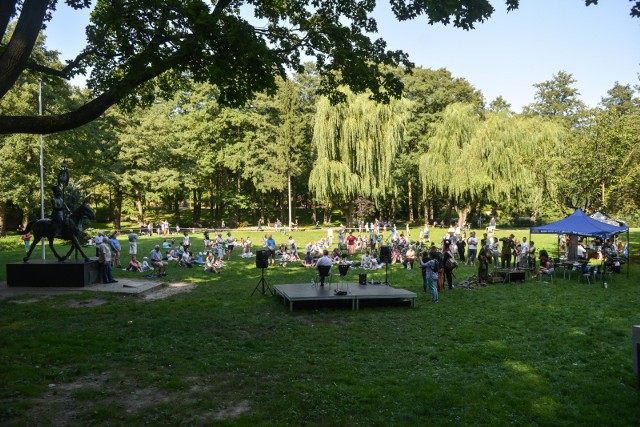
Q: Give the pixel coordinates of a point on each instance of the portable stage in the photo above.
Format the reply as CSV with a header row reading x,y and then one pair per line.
x,y
352,292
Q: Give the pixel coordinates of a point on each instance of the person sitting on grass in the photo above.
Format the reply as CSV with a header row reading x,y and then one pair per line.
x,y
173,255
308,261
336,255
165,244
284,256
293,257
396,255
365,262
134,265
185,260
209,263
145,264
198,260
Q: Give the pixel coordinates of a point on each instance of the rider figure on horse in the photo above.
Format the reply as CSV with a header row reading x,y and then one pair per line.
x,y
60,211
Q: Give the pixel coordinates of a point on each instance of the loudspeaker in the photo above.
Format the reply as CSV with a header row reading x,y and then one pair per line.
x,y
362,279
385,254
262,259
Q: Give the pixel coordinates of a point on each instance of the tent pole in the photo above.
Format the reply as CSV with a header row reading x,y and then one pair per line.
x,y
628,252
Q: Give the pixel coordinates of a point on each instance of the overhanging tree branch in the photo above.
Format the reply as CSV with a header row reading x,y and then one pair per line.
x,y
14,58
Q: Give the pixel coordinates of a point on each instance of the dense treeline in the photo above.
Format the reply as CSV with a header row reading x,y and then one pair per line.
x,y
437,153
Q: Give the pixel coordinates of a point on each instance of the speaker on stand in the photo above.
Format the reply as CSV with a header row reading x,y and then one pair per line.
x,y
385,256
262,262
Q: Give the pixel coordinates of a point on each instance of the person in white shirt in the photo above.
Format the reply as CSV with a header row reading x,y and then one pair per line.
x,y
472,249
581,251
524,253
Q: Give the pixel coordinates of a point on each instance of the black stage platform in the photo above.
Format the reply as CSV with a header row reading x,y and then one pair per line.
x,y
52,273
355,293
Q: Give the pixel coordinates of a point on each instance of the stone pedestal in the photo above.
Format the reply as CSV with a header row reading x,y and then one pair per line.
x,y
52,273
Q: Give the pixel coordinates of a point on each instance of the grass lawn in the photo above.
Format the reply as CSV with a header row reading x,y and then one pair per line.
x,y
516,354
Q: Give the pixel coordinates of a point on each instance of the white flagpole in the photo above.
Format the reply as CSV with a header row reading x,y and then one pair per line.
x,y
41,167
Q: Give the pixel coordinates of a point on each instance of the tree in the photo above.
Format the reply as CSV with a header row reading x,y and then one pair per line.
x,y
470,157
141,48
357,142
499,104
430,91
556,98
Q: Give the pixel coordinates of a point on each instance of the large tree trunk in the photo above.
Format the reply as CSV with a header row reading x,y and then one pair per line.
x,y
3,218
293,199
447,214
176,210
463,213
425,211
140,209
410,201
25,216
117,208
197,207
327,213
349,214
314,217
210,201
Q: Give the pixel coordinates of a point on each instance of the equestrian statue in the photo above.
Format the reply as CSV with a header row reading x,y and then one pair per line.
x,y
61,225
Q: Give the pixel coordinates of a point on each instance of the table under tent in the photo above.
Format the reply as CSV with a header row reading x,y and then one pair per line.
x,y
580,224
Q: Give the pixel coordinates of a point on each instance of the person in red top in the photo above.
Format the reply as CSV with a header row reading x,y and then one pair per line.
x,y
351,243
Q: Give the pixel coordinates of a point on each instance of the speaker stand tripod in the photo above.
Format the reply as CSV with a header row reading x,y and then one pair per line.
x,y
386,274
265,285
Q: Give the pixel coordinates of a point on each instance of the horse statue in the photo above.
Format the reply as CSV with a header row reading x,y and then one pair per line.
x,y
46,227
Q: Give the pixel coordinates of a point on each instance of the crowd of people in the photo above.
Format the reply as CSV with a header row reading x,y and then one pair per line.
x,y
360,247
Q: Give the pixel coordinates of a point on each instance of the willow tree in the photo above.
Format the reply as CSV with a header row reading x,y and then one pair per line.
x,y
472,158
356,142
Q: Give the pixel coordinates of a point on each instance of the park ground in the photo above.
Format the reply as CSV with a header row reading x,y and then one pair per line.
x,y
532,353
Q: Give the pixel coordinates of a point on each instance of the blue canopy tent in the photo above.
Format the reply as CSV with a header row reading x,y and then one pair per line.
x,y
580,224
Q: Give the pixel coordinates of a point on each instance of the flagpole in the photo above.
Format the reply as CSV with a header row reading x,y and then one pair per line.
x,y
41,167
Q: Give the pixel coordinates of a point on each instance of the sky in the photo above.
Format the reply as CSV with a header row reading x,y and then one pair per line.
x,y
504,56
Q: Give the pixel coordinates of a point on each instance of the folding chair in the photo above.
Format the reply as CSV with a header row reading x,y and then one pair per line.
x,y
589,272
324,271
343,269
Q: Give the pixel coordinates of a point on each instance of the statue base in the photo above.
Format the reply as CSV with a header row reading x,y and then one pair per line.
x,y
53,273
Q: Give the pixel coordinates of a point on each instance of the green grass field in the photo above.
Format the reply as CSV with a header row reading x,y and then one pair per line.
x,y
508,354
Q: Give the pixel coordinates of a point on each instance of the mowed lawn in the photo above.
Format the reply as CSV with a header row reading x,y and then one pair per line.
x,y
508,354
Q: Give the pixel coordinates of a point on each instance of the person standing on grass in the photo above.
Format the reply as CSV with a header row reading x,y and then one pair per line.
x,y
351,243
133,243
507,247
271,246
26,238
484,259
495,250
461,246
105,262
186,242
472,250
524,253
115,250
98,241
449,265
430,267
231,243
